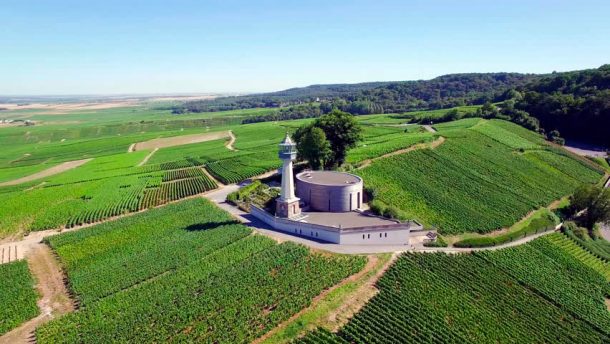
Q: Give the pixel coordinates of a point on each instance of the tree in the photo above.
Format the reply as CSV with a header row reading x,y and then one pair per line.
x,y
555,136
594,201
342,131
312,145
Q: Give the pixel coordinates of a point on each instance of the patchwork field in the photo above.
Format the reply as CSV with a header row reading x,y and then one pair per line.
x,y
486,175
497,170
537,292
182,273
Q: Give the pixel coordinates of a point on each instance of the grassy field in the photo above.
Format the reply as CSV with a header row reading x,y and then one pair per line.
x,y
487,175
537,292
17,295
182,273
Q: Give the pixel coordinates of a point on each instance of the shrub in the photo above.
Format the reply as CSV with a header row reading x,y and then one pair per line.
x,y
377,207
392,212
439,242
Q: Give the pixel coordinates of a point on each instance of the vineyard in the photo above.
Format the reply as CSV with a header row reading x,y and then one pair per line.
x,y
163,276
522,295
17,295
235,170
495,183
379,145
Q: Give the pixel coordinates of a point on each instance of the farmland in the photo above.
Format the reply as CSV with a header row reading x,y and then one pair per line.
x,y
523,294
164,275
497,170
17,295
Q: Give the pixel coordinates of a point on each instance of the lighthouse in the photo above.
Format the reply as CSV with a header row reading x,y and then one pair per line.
x,y
287,205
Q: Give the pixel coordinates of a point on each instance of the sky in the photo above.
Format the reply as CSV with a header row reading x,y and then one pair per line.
x,y
54,47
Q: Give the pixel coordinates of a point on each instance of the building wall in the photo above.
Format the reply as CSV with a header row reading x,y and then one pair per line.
x,y
374,236
330,198
296,228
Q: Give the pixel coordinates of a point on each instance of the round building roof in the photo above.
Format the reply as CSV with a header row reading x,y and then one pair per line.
x,y
329,178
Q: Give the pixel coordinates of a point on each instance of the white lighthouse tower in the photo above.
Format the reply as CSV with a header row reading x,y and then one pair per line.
x,y
287,204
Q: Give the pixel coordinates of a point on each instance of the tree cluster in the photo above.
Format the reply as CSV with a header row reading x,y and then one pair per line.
x,y
594,202
325,142
577,104
378,97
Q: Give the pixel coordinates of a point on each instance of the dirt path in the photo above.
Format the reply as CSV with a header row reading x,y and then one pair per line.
x,y
131,148
48,172
180,140
430,145
54,297
429,128
372,261
231,141
341,315
147,157
421,248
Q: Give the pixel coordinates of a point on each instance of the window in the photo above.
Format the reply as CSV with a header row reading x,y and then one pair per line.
x,y
300,231
362,236
311,233
386,235
368,236
380,235
316,234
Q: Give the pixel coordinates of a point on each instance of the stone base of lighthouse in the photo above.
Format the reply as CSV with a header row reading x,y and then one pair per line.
x,y
287,208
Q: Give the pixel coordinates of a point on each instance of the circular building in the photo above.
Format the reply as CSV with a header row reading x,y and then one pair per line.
x,y
329,191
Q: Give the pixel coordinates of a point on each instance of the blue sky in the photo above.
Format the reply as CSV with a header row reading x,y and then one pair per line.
x,y
112,47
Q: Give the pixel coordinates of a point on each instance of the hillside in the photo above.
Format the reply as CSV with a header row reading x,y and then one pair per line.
x,y
575,103
380,97
535,293
497,170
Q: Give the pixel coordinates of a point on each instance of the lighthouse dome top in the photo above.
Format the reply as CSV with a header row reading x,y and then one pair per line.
x,y
287,140
288,150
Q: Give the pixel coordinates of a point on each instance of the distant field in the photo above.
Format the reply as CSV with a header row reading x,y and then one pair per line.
x,y
17,295
487,175
186,272
537,292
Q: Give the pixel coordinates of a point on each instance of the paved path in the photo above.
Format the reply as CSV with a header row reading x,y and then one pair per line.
x,y
48,172
219,196
585,150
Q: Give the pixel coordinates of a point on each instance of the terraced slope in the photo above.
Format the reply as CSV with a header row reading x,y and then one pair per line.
x,y
486,175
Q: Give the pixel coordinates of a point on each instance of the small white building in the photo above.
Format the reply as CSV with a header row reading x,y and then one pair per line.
x,y
328,208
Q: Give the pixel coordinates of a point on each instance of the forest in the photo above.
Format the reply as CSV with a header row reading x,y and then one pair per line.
x,y
379,97
576,104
